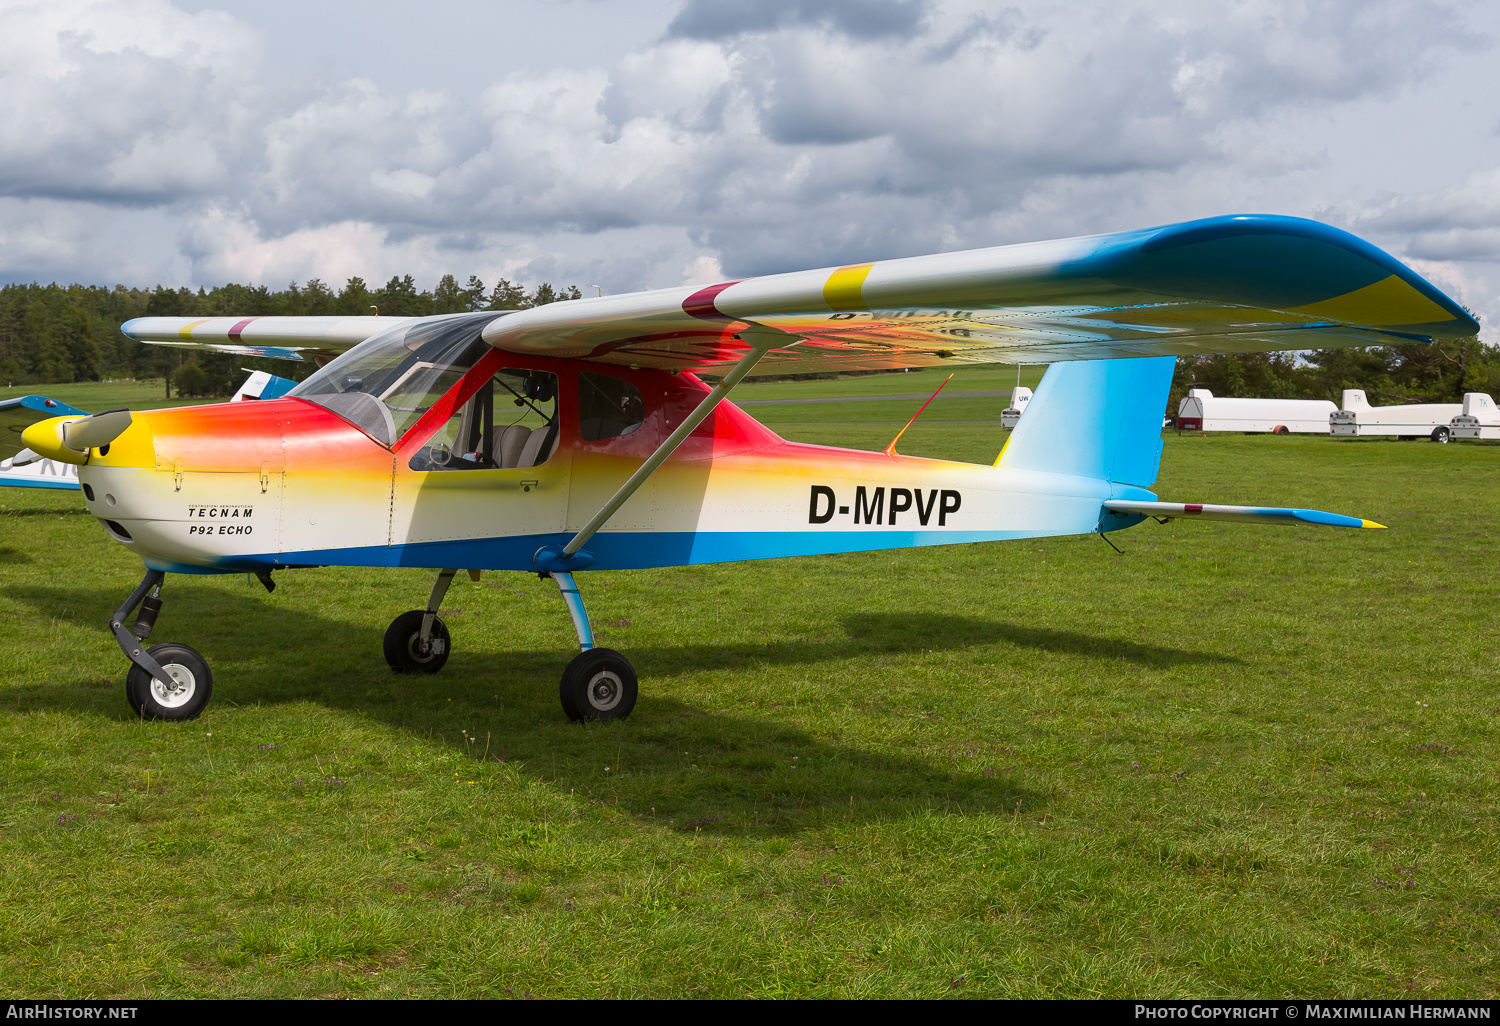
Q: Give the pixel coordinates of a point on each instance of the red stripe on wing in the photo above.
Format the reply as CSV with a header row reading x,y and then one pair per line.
x,y
701,303
234,332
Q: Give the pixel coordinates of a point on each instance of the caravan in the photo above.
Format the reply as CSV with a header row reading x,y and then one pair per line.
x,y
1203,411
1359,419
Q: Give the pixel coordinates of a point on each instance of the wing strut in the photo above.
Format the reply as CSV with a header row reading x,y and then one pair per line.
x,y
762,340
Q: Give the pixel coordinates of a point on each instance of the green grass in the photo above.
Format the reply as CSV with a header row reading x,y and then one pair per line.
x,y
966,378
93,396
1232,761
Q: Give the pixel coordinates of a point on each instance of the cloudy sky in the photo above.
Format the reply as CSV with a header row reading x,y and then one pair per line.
x,y
646,143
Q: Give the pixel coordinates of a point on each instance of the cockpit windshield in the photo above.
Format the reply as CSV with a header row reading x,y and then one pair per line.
x,y
384,384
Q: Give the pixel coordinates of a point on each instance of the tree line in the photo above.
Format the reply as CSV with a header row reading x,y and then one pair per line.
x,y
63,333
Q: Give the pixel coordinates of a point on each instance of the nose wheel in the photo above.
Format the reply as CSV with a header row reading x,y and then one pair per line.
x,y
180,692
166,681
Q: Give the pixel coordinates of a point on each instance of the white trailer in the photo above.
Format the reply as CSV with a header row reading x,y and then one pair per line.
x,y
1480,418
1204,411
1011,415
1359,418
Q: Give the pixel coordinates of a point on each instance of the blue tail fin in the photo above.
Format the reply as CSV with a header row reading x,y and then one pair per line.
x,y
1095,418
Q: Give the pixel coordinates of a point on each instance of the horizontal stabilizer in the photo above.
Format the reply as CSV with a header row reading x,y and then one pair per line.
x,y
1237,514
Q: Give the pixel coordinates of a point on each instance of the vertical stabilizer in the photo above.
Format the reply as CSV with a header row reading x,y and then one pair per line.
x,y
1095,418
1354,399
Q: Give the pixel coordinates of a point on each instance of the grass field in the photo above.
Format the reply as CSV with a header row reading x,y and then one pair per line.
x,y
1231,761
149,394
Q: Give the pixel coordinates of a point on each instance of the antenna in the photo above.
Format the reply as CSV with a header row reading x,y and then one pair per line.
x,y
600,290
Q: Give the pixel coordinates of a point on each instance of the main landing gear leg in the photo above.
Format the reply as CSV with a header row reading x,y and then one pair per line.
x,y
166,681
417,641
599,684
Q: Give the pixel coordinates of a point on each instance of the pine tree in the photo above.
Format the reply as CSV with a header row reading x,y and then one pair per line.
x,y
546,294
448,297
401,298
507,295
474,294
356,299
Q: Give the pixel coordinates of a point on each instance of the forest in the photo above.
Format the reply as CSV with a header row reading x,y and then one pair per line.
x,y
64,333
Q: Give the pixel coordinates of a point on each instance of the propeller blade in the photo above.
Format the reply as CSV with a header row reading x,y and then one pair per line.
x,y
95,430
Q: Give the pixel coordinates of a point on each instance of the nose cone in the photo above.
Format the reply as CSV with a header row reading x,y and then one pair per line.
x,y
45,438
73,439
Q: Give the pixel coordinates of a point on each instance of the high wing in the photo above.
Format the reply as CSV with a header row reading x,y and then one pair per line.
x,y
1248,283
317,339
1228,284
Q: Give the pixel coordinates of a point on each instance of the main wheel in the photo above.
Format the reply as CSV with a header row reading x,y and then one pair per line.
x,y
180,698
1281,429
403,644
598,685
1440,434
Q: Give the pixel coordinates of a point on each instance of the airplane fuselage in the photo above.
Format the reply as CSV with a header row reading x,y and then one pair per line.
x,y
260,486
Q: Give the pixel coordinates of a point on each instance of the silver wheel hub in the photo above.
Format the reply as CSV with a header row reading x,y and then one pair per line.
x,y
605,690
425,652
178,691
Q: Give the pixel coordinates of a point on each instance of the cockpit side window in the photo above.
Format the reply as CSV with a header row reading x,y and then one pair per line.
x,y
510,423
608,407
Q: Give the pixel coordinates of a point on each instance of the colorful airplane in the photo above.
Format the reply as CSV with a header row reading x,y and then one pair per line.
x,y
577,436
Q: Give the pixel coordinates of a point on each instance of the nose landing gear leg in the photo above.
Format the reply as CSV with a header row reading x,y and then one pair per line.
x,y
166,681
599,684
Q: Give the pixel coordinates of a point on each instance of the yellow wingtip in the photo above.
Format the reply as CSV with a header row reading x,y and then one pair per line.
x,y
1372,525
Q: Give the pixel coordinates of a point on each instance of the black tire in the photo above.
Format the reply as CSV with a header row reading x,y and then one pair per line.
x,y
1281,429
565,696
189,691
598,685
403,644
1440,434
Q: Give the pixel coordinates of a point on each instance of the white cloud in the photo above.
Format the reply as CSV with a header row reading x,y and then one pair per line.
x,y
135,137
124,101
702,270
